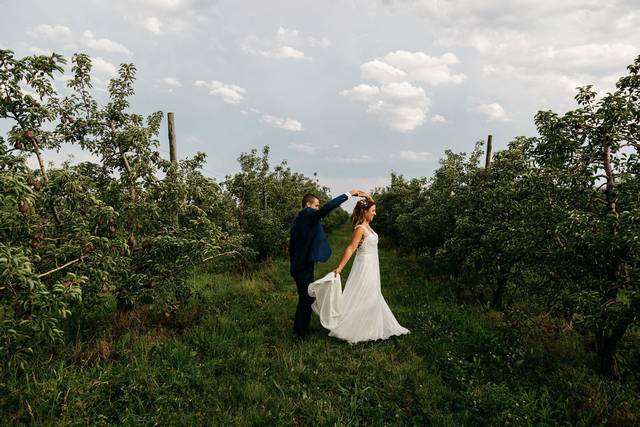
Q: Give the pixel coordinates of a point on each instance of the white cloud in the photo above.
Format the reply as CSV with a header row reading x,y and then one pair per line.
x,y
104,45
171,81
354,160
382,72
165,4
628,21
414,156
38,51
288,36
419,66
103,67
231,94
288,44
48,32
548,83
302,148
255,46
402,65
286,124
153,25
361,92
439,119
488,41
250,45
494,111
400,106
591,55
321,42
398,103
501,70
286,52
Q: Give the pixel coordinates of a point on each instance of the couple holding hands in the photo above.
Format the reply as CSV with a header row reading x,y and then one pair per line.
x,y
359,313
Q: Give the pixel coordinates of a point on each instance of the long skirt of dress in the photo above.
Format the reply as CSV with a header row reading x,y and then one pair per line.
x,y
364,314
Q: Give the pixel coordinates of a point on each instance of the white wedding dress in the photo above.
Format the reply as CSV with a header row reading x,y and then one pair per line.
x,y
360,313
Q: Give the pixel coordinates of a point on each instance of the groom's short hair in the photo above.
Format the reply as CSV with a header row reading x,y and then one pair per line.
x,y
308,198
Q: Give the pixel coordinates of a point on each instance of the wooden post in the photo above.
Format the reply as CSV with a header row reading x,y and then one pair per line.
x,y
487,161
172,138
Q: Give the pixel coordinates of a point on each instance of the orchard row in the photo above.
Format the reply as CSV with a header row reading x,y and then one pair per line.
x,y
552,221
130,227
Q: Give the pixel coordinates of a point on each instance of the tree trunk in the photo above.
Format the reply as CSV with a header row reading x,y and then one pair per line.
x,y
499,293
606,348
43,171
36,149
122,303
611,201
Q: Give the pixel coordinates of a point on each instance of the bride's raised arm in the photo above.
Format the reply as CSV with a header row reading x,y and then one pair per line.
x,y
350,249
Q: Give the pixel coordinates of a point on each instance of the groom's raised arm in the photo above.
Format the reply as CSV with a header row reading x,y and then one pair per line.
x,y
331,205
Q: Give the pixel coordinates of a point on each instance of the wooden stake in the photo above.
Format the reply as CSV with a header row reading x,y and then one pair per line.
x,y
172,138
487,161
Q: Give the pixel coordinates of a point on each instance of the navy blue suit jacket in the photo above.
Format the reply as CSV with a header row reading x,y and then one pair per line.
x,y
307,241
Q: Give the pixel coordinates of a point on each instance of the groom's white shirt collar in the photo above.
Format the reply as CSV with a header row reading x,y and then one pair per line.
x,y
348,195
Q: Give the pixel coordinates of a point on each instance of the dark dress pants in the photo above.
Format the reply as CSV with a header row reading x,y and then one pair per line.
x,y
303,311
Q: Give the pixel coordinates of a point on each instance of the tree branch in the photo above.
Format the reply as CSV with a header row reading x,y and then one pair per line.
x,y
61,267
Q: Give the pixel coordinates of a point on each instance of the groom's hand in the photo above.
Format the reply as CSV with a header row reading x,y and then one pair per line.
x,y
361,193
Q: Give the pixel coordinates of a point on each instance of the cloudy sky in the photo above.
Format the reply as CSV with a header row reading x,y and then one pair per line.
x,y
350,89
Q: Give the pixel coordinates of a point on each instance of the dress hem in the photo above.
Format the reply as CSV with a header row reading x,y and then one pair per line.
x,y
397,334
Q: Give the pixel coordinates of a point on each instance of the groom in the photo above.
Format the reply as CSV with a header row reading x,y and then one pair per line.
x,y
308,244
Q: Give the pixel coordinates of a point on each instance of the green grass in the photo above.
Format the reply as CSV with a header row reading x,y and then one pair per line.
x,y
229,358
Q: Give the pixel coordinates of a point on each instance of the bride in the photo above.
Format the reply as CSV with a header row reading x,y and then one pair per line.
x,y
360,313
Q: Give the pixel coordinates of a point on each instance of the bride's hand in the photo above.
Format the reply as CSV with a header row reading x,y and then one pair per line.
x,y
336,272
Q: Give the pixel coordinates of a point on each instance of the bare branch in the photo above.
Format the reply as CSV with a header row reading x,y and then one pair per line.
x,y
61,267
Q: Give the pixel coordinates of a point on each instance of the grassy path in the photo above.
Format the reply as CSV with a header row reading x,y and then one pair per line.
x,y
230,359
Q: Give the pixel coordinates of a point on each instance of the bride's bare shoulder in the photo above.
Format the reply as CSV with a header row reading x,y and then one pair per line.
x,y
362,227
359,228
358,235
